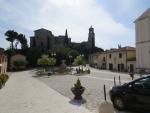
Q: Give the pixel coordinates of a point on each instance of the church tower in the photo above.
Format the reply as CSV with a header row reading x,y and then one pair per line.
x,y
91,38
66,34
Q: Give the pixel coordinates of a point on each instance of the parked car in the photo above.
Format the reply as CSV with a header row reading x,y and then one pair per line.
x,y
135,94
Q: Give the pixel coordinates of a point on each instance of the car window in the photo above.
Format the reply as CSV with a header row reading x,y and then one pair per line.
x,y
147,84
143,83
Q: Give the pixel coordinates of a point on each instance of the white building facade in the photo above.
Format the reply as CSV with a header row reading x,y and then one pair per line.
x,y
142,25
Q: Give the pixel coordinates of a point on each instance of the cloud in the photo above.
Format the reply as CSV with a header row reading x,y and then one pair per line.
x,y
75,15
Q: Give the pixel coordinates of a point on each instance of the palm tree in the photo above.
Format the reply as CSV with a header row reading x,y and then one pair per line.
x,y
11,36
22,39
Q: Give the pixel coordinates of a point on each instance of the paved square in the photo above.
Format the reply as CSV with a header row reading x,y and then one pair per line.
x,y
93,83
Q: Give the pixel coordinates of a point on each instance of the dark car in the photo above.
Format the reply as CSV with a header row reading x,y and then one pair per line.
x,y
135,94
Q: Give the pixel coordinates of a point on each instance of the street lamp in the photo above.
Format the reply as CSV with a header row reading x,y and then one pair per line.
x,y
53,54
70,57
82,55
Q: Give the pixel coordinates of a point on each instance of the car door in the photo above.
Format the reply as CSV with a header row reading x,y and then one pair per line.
x,y
141,92
146,93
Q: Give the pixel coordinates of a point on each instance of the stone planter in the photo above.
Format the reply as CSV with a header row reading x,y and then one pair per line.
x,y
77,92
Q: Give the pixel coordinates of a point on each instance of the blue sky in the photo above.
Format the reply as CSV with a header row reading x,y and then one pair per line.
x,y
113,20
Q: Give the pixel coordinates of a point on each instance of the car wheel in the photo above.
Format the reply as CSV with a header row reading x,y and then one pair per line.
x,y
118,103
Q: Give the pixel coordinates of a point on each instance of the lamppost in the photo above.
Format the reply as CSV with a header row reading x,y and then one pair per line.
x,y
70,57
82,55
53,54
82,58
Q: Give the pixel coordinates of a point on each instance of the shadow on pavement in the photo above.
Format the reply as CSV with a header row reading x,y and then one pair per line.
x,y
77,102
37,76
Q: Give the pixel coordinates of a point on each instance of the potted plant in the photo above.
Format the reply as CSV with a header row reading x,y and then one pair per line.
x,y
78,90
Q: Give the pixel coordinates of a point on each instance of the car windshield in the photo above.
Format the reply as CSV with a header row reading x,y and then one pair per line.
x,y
145,82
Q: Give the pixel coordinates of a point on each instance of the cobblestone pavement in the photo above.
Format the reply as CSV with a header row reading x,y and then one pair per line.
x,y
93,83
24,94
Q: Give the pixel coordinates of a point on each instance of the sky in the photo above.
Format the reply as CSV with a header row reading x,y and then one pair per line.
x,y
113,20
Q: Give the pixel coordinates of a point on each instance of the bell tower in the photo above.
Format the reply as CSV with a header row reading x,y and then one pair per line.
x,y
91,38
66,34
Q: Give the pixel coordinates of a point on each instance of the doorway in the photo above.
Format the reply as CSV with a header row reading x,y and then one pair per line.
x,y
110,66
131,67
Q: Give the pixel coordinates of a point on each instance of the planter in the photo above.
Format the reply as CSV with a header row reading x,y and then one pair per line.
x,y
77,92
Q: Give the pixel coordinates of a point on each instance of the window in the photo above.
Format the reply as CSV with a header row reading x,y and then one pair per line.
x,y
120,55
122,67
104,59
109,55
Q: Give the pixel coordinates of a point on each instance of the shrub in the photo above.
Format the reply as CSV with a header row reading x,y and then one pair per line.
x,y
3,79
78,89
20,64
1,84
78,85
46,61
6,77
79,60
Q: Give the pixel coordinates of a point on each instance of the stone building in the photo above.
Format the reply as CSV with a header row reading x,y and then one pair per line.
x,y
44,39
98,60
121,59
3,63
142,25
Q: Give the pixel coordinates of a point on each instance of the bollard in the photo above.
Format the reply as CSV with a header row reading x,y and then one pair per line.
x,y
114,81
105,93
119,80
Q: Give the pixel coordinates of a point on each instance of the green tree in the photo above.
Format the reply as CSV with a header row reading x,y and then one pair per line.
x,y
73,53
63,52
79,61
23,41
32,56
46,61
11,36
52,61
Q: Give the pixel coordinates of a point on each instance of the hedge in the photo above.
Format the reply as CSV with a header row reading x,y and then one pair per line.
x,y
3,80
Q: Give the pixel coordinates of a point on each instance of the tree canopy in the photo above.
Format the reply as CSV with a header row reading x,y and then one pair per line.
x,y
20,38
79,60
46,61
11,37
